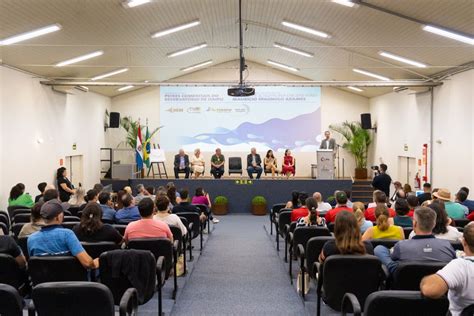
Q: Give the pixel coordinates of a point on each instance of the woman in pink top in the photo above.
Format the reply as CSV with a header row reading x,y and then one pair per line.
x,y
202,197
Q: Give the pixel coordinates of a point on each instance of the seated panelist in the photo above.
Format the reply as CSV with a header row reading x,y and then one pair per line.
x,y
217,164
254,164
181,164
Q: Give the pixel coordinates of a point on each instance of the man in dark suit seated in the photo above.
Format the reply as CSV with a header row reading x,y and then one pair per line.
x,y
186,207
181,164
254,163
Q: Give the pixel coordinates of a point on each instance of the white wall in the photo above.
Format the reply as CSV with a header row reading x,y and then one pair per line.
x,y
30,111
404,118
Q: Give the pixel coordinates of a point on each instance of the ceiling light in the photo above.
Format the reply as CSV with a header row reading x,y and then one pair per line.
x,y
135,3
197,65
32,34
347,3
402,59
108,74
293,50
274,63
80,58
125,88
176,29
449,34
187,50
305,29
355,89
370,74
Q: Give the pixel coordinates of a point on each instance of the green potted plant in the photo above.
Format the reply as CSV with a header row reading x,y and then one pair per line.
x,y
356,141
259,205
220,205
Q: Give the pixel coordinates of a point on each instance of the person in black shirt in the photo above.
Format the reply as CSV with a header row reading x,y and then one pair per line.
x,y
185,206
382,181
426,195
8,246
65,187
91,228
41,188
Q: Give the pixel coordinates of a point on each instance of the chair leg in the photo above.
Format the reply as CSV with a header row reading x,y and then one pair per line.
x,y
184,256
160,303
200,233
302,282
291,265
318,305
286,250
175,275
277,237
191,258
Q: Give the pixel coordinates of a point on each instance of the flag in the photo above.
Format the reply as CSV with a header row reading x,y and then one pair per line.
x,y
139,150
146,151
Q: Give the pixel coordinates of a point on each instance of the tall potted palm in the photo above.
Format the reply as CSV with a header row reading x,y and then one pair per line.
x,y
357,142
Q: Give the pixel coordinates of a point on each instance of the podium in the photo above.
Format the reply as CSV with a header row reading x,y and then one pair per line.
x,y
325,163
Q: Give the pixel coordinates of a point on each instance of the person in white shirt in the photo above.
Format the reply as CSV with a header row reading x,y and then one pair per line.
x,y
456,278
162,204
197,163
323,207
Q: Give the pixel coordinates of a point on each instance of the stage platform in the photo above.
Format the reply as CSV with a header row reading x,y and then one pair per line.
x,y
240,191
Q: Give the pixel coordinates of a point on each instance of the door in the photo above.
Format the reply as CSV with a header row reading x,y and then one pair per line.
x,y
74,164
406,170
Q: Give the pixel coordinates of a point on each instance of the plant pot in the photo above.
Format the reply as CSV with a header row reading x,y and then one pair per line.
x,y
361,173
259,210
220,209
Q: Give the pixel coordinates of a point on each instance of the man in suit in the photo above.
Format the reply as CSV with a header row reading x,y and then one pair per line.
x,y
181,164
254,163
328,142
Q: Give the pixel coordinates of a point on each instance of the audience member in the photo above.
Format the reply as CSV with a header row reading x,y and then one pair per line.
x,y
129,212
358,208
270,163
65,187
426,195
201,197
18,197
36,221
254,164
323,207
347,239
128,190
422,247
119,205
8,246
98,187
348,194
41,187
383,229
53,239
467,203
172,196
401,218
185,206
51,194
454,210
407,189
197,163
379,199
91,196
312,219
181,164
456,278
341,200
217,164
288,166
398,186
461,197
106,204
77,198
146,227
141,193
413,202
162,204
382,181
91,228
302,211
295,200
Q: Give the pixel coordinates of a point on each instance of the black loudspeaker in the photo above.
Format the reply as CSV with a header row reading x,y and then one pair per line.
x,y
114,120
366,121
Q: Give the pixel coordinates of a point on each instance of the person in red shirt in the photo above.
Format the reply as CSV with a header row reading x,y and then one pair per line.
x,y
297,213
341,200
412,201
379,198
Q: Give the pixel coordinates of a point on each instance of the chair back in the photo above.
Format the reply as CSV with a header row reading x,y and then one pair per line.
x,y
70,225
76,298
4,219
71,219
158,247
331,227
23,243
301,235
395,303
4,228
357,274
407,231
21,211
276,208
21,218
235,165
11,303
202,208
192,217
389,243
178,235
120,228
74,210
12,208
408,275
284,218
108,221
461,222
457,245
95,249
55,269
468,311
10,272
313,249
16,228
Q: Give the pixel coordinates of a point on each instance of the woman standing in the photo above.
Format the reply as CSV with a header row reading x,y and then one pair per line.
x,y
270,163
65,187
197,163
288,164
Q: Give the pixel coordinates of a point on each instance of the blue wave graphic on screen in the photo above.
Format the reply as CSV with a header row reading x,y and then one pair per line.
x,y
275,133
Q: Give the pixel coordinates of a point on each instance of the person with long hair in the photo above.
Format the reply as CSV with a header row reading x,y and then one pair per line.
x,y
313,219
18,197
118,205
91,228
270,163
78,198
65,187
347,239
288,167
359,208
383,229
171,194
295,200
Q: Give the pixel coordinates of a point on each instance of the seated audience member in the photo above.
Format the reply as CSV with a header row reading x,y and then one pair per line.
x,y
270,163
8,246
162,204
288,166
128,190
141,193
413,203
341,200
197,163
129,212
426,195
348,194
383,229
302,211
202,197
119,205
41,187
18,197
401,218
461,197
98,187
454,210
91,196
53,239
51,194
172,196
379,199
184,206
456,278
217,164
106,204
181,164
147,227
358,208
36,222
407,189
323,207
467,203
78,197
347,239
423,247
295,200
91,228
398,186
254,164
151,192
312,219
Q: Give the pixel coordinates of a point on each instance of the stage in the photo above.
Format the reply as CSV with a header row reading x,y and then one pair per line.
x,y
240,191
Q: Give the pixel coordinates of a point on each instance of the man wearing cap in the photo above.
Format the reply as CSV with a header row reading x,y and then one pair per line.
x,y
454,210
53,239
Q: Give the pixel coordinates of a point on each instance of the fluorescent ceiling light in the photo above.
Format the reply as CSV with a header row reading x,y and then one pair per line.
x,y
176,29
108,74
293,50
347,3
355,89
125,88
32,34
449,34
370,74
305,29
402,59
187,50
274,63
135,3
197,65
80,58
